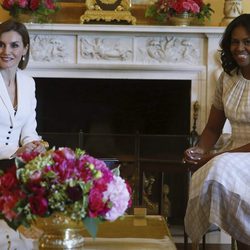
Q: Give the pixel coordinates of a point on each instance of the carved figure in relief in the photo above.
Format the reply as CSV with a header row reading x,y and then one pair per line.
x,y
49,49
105,49
166,204
172,49
148,183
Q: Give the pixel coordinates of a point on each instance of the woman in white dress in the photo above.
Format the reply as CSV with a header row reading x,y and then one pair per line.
x,y
220,189
17,109
17,93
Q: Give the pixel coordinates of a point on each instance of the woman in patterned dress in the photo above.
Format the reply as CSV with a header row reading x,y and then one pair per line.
x,y
220,189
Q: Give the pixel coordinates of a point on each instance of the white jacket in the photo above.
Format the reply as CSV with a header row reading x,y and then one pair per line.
x,y
19,129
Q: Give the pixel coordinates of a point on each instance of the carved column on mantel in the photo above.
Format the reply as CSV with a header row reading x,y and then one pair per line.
x,y
116,51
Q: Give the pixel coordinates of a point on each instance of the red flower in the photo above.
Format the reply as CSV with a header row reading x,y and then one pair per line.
x,y
96,205
34,4
62,155
38,205
199,2
49,4
35,188
9,181
28,156
8,203
8,4
181,6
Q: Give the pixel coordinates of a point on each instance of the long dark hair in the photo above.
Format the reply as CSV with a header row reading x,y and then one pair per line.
x,y
228,63
11,25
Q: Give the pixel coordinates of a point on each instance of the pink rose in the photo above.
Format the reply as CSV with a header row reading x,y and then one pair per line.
x,y
36,176
23,3
118,196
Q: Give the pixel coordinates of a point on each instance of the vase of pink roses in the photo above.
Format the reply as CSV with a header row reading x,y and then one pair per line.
x,y
179,12
62,192
31,10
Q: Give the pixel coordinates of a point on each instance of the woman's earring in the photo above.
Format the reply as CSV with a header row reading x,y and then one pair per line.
x,y
23,58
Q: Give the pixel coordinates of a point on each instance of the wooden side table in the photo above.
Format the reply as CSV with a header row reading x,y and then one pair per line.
x,y
132,232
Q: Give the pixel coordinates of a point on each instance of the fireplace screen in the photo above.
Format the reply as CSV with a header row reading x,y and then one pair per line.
x,y
142,123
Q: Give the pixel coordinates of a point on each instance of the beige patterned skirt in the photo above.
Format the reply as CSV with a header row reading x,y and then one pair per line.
x,y
220,194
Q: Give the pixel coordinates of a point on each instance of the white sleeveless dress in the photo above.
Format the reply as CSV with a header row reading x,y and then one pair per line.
x,y
220,190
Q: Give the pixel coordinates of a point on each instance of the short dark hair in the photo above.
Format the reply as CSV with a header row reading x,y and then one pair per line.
x,y
12,25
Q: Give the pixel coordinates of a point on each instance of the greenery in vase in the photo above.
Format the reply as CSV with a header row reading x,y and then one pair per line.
x,y
162,10
39,9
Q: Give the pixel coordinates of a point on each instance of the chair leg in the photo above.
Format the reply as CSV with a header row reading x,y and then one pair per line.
x,y
233,244
204,242
195,246
185,240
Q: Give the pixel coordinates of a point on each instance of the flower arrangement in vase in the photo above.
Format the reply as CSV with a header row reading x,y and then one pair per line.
x,y
64,181
164,10
38,10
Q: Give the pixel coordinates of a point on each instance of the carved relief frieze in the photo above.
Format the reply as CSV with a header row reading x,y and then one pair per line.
x,y
105,49
169,49
52,49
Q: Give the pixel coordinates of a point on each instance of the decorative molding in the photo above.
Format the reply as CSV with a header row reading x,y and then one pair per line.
x,y
105,49
170,49
50,49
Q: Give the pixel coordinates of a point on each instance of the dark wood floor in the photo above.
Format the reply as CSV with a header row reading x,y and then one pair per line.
x,y
208,246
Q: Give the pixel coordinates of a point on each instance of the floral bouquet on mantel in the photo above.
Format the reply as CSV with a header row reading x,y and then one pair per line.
x,y
39,10
62,180
162,10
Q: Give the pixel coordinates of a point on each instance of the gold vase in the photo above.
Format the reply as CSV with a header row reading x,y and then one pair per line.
x,y
182,19
31,18
60,232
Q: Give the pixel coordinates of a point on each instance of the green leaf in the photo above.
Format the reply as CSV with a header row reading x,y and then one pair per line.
x,y
151,11
19,162
91,224
116,171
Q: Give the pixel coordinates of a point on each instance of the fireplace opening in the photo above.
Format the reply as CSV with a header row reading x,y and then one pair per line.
x,y
113,105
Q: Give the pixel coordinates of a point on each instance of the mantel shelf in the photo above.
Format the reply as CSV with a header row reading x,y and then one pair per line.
x,y
71,28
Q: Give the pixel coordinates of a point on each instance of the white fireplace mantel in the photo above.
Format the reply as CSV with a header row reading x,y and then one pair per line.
x,y
131,52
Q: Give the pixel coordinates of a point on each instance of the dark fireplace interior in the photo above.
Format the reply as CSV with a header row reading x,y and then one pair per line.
x,y
113,106
135,121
